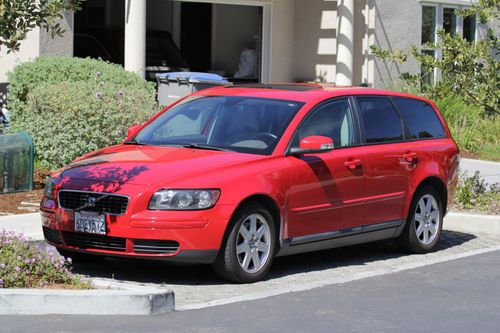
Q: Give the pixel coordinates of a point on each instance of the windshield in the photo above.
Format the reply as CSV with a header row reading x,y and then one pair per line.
x,y
242,124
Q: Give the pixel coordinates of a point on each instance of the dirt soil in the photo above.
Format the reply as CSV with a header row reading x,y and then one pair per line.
x,y
11,203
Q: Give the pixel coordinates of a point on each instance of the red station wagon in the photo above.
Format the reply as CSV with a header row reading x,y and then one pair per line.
x,y
234,176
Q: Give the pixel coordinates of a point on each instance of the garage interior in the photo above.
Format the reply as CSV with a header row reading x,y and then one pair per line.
x,y
180,36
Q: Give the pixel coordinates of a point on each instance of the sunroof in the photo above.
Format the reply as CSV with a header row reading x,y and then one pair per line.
x,y
289,87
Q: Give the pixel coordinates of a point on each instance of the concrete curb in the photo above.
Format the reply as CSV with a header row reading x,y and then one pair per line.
x,y
139,301
472,223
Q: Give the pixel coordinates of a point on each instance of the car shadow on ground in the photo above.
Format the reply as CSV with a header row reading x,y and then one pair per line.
x,y
164,273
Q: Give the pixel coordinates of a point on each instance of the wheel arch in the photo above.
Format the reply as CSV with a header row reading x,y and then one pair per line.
x,y
271,205
438,184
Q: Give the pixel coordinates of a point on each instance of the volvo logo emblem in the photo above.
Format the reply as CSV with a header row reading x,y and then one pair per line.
x,y
91,201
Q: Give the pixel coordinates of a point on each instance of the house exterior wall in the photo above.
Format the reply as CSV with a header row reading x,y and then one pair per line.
x,y
282,40
61,46
397,26
30,49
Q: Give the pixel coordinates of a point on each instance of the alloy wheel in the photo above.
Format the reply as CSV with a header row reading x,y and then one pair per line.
x,y
253,243
427,219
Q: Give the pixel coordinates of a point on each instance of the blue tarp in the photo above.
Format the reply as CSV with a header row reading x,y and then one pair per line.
x,y
192,77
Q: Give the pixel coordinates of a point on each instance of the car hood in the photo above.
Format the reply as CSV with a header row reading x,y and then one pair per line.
x,y
147,165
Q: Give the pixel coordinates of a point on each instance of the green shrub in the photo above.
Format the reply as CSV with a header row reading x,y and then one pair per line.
x,y
474,194
22,265
469,128
69,119
71,106
53,69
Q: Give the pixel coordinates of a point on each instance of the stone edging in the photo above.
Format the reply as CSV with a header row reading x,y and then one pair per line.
x,y
472,223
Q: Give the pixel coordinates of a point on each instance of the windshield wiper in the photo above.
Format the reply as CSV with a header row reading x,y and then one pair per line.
x,y
207,147
134,142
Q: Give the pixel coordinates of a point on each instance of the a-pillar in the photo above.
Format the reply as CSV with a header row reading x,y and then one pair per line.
x,y
135,36
345,44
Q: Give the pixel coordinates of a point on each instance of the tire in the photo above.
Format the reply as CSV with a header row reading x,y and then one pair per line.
x,y
248,249
79,257
424,224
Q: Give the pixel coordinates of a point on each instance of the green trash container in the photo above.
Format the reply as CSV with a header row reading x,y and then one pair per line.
x,y
16,162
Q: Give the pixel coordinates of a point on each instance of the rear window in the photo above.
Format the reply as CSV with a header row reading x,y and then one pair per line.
x,y
380,119
420,118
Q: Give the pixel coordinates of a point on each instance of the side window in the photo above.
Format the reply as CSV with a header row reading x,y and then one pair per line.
x,y
333,120
380,119
420,118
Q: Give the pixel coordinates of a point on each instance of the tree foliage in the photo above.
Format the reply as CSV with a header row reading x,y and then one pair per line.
x,y
469,69
18,17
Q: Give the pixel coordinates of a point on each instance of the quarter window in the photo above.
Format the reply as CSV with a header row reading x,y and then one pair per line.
x,y
420,118
381,121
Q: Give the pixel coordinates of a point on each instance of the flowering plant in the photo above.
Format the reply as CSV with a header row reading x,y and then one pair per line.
x,y
23,265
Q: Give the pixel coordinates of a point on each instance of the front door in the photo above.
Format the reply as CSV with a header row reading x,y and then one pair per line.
x,y
327,189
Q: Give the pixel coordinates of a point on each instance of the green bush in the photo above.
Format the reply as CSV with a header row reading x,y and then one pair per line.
x,y
72,106
69,119
474,194
53,69
470,130
22,265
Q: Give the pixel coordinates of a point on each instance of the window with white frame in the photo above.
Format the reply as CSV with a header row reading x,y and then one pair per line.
x,y
437,16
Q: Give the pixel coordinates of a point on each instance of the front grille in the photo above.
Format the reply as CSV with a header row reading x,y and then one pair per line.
x,y
152,246
93,202
52,236
89,241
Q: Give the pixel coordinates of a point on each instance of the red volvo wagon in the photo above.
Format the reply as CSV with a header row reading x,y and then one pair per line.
x,y
234,176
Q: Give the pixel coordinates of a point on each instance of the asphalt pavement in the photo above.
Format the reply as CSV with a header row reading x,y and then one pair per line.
x,y
490,171
461,295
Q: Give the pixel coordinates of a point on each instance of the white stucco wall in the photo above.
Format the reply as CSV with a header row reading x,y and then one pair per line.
x,y
397,26
30,49
283,40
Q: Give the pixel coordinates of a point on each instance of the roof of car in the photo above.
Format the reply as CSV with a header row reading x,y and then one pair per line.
x,y
301,92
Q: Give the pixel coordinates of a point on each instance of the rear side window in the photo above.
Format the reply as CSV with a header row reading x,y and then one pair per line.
x,y
420,118
380,119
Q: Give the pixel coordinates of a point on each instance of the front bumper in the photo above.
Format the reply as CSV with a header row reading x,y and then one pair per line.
x,y
178,236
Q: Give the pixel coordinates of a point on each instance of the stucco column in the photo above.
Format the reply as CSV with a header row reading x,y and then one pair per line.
x,y
345,37
135,36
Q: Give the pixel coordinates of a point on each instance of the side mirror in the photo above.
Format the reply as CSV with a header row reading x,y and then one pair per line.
x,y
133,130
314,144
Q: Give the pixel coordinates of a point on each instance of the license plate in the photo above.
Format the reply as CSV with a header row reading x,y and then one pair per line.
x,y
90,222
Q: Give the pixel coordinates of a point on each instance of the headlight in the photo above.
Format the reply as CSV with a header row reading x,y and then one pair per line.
x,y
184,199
49,188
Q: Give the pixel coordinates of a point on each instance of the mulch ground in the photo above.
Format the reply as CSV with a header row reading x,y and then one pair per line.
x,y
10,203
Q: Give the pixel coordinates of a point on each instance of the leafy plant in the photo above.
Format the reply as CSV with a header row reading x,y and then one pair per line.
x,y
468,69
474,194
72,106
18,17
22,265
470,130
70,119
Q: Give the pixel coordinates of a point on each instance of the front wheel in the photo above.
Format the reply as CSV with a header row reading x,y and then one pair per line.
x,y
247,252
424,223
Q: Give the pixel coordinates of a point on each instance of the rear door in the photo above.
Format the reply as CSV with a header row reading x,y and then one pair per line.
x,y
327,189
390,161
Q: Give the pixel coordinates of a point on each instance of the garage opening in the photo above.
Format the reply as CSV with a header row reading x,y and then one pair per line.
x,y
225,39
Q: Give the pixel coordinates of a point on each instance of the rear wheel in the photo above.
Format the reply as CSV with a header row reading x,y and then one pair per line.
x,y
247,252
425,222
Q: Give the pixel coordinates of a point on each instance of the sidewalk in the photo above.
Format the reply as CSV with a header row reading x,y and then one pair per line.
x,y
28,224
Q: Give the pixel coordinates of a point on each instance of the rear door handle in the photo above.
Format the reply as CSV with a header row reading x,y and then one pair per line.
x,y
352,164
410,157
